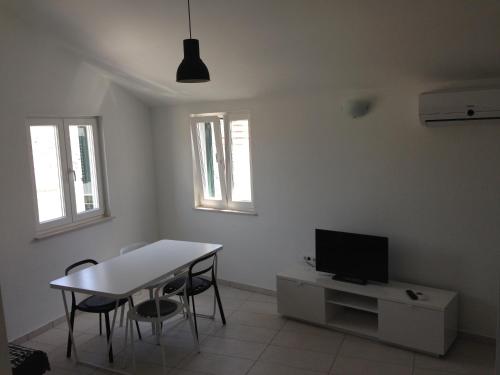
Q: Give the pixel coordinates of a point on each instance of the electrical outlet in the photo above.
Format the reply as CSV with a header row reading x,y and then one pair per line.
x,y
311,261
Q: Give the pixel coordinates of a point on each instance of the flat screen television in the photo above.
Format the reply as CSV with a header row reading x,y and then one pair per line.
x,y
352,257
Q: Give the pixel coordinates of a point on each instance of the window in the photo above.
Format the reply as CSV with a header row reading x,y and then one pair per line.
x,y
222,162
66,169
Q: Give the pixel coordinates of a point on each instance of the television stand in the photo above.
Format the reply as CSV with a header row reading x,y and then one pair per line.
x,y
348,279
383,312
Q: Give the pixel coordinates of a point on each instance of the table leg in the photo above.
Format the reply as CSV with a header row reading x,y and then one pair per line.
x,y
113,325
73,344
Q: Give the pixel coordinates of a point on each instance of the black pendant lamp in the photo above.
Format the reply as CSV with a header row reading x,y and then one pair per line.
x,y
192,69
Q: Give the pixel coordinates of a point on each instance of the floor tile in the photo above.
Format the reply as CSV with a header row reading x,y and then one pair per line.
x,y
309,329
177,337
327,343
367,349
78,370
151,355
47,348
255,341
58,360
230,292
254,319
99,344
88,323
246,333
261,368
359,366
54,336
206,302
260,307
419,371
141,368
186,372
302,359
464,357
205,326
217,364
231,347
258,297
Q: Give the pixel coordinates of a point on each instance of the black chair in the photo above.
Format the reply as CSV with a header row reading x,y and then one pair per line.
x,y
197,284
96,305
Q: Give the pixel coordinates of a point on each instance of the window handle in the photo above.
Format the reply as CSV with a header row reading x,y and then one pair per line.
x,y
72,171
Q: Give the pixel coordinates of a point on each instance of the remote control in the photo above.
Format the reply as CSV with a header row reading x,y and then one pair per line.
x,y
422,297
411,294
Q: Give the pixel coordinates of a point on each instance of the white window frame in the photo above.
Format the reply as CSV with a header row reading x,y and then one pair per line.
x,y
71,219
224,163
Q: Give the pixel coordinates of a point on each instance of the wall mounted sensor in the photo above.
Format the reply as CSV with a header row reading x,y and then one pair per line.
x,y
356,108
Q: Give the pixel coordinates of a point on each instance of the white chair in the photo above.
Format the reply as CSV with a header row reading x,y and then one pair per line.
x,y
159,309
127,249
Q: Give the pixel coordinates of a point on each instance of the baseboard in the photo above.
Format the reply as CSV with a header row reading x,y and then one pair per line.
x,y
30,335
247,287
477,338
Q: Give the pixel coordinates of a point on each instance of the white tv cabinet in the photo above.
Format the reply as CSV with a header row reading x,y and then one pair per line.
x,y
379,311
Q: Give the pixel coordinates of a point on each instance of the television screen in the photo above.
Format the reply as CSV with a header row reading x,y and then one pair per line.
x,y
352,256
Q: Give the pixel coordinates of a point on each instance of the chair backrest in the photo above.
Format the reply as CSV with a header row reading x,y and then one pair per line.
x,y
76,265
158,293
132,247
212,268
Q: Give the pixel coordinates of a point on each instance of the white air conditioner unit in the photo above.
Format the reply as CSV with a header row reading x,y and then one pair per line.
x,y
460,107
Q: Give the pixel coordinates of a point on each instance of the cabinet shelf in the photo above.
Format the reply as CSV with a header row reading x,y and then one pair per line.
x,y
352,320
354,301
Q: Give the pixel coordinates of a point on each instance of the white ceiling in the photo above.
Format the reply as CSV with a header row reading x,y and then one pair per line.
x,y
254,47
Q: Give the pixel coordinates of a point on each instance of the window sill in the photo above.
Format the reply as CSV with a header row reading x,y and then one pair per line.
x,y
71,227
238,212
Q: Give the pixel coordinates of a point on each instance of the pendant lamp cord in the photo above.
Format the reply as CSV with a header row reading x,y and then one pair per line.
x,y
189,15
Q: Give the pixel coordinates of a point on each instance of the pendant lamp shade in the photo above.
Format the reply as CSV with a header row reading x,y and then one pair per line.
x,y
192,69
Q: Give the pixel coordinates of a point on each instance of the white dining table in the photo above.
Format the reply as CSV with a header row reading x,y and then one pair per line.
x,y
124,275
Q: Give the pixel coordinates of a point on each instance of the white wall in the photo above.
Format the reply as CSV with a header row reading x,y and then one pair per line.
x,y
433,192
40,78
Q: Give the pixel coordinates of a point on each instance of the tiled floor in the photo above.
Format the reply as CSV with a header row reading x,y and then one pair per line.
x,y
256,341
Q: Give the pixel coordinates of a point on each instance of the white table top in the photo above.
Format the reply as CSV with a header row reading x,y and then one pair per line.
x,y
124,275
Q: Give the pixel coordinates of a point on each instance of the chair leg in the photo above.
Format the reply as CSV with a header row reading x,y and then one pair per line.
x,y
151,296
72,322
217,295
131,301
122,314
163,361
194,317
108,332
214,307
132,345
158,332
183,311
190,319
100,324
126,332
